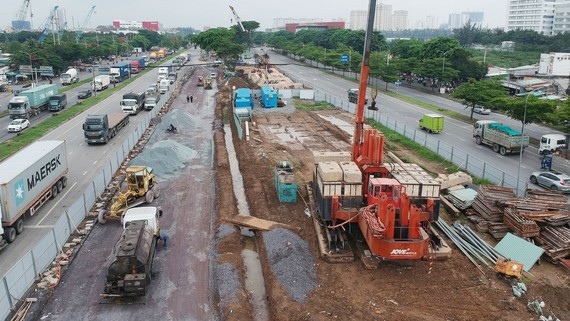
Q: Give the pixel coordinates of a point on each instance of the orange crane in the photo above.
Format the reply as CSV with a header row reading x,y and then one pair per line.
x,y
393,225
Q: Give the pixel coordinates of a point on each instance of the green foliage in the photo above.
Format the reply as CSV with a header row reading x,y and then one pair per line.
x,y
220,40
529,109
478,92
311,105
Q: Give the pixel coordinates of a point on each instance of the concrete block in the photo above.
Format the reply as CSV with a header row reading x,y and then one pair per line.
x,y
76,240
68,245
88,228
43,285
63,262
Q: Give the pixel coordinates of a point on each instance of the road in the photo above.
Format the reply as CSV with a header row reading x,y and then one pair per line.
x,y
456,133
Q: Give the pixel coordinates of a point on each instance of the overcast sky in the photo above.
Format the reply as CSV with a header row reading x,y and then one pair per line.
x,y
216,13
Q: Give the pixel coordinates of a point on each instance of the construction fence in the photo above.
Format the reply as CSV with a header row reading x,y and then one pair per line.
x,y
22,275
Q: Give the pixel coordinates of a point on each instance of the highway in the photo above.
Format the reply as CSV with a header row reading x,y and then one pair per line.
x,y
456,133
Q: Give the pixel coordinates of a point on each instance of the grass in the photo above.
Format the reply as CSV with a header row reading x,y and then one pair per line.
x,y
311,105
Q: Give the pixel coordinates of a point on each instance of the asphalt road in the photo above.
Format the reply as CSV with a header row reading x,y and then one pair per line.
x,y
456,133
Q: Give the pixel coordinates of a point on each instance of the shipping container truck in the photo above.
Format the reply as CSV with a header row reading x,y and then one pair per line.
x,y
31,102
120,72
101,82
57,102
502,138
151,101
432,123
138,65
69,77
28,179
101,128
132,102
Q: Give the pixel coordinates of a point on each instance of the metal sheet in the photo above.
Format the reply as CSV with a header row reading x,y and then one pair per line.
x,y
516,248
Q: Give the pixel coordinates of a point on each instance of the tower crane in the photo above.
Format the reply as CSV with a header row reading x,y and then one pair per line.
x,y
237,18
84,24
21,15
48,24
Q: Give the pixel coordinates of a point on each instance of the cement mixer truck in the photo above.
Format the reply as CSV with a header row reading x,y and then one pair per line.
x,y
69,77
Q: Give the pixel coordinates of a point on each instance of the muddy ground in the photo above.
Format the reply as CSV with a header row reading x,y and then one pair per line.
x,y
446,290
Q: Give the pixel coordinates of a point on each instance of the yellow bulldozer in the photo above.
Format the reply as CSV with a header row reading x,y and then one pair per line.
x,y
208,83
138,187
508,268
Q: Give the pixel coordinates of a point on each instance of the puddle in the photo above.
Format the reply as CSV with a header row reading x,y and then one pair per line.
x,y
254,282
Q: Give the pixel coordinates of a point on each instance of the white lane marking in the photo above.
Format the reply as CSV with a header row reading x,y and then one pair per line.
x,y
95,162
60,199
35,226
84,173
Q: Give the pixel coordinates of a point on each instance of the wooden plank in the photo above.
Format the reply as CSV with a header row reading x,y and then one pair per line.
x,y
256,223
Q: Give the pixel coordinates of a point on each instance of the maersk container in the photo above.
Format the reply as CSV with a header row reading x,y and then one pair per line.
x,y
28,175
39,96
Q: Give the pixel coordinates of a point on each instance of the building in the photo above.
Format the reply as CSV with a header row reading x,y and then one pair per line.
x,y
458,20
19,25
358,19
294,27
454,21
561,18
555,64
537,15
431,22
136,25
400,20
280,23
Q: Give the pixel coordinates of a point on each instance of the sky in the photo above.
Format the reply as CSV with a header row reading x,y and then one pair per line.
x,y
216,13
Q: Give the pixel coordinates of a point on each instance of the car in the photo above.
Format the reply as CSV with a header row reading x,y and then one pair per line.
x,y
82,94
481,110
17,125
213,75
553,180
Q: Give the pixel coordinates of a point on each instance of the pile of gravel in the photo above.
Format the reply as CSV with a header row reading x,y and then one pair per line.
x,y
228,282
291,262
165,157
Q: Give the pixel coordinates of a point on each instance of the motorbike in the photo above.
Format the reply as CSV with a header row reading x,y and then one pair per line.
x,y
171,129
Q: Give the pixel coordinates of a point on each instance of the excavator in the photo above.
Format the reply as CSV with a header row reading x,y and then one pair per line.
x,y
393,225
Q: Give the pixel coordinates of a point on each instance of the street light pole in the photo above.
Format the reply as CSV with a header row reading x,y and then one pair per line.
x,y
31,67
522,141
443,63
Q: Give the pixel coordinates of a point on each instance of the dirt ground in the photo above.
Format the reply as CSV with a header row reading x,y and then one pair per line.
x,y
445,290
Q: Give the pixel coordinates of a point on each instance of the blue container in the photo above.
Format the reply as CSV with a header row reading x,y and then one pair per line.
x,y
268,97
242,98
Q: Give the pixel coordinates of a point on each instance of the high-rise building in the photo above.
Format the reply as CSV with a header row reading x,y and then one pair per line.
x,y
400,20
431,22
537,15
358,19
383,17
454,21
561,18
475,17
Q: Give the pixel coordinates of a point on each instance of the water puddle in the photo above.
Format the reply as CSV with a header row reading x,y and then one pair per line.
x,y
254,282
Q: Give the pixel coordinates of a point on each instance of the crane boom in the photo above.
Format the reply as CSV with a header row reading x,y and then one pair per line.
x,y
48,23
21,15
84,24
237,18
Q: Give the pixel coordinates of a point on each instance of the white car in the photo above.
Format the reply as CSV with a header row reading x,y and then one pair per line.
x,y
17,125
481,110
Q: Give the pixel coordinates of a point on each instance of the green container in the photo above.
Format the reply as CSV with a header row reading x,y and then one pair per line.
x,y
432,123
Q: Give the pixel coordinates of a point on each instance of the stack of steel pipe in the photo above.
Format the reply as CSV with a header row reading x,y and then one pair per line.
x,y
470,244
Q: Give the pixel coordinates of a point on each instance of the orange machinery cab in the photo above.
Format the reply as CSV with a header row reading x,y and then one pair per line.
x,y
403,237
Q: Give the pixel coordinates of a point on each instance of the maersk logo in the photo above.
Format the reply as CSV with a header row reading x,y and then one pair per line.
x,y
19,192
402,252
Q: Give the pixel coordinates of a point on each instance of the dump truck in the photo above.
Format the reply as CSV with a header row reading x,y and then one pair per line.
x,y
129,273
69,77
432,123
132,102
208,83
501,138
57,102
101,128
101,82
353,96
31,102
29,179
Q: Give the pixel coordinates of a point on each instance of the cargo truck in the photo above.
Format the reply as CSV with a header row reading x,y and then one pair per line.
x,y
172,77
432,123
120,72
31,102
163,86
57,102
101,128
28,179
132,102
138,65
101,82
163,72
69,77
501,138
151,101
556,155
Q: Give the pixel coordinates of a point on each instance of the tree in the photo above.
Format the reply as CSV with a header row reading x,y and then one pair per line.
x,y
528,109
478,92
467,34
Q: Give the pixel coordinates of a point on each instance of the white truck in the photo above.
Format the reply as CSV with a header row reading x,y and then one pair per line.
x,y
69,77
132,103
150,214
101,82
28,179
151,101
501,138
164,85
163,73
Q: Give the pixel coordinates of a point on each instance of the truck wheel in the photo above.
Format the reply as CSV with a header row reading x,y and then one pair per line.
x,y
19,226
156,191
478,140
149,197
53,191
101,217
59,185
64,181
496,148
533,180
503,151
10,234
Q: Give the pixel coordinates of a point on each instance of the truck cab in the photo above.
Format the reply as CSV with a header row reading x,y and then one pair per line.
x,y
96,128
151,101
150,214
57,102
132,103
19,108
163,86
551,142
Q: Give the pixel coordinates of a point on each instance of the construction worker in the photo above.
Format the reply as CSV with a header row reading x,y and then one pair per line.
x,y
162,235
191,98
187,98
